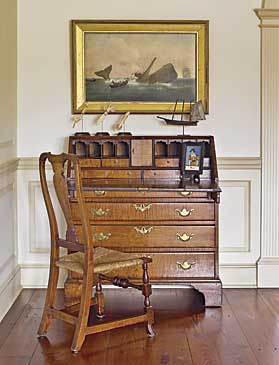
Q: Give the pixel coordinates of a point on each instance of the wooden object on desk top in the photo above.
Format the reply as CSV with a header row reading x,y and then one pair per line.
x,y
138,202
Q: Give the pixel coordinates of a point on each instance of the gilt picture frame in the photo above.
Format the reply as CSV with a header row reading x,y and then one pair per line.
x,y
139,66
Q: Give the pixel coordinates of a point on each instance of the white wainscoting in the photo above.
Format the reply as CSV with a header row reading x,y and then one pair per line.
x,y
239,230
7,149
239,223
10,282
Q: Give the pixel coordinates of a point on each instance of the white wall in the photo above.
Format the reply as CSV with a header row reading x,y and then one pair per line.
x,y
9,270
45,77
44,115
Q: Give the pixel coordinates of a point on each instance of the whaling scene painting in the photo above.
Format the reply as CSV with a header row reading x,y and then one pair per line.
x,y
136,67
139,66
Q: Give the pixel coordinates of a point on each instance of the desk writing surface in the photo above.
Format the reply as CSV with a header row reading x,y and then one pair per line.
x,y
149,184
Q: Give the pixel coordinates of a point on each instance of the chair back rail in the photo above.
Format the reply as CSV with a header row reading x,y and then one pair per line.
x,y
58,164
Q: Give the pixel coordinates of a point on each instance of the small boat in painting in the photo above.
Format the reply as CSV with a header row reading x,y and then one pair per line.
x,y
119,83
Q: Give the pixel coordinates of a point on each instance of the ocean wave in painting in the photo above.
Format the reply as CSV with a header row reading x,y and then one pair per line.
x,y
133,91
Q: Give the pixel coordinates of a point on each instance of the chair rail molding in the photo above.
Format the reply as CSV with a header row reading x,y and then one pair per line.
x,y
268,265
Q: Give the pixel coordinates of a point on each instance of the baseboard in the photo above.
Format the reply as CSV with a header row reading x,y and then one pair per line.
x,y
232,276
268,272
239,276
9,291
36,276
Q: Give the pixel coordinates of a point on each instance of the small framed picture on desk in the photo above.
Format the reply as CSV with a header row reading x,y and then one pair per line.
x,y
192,160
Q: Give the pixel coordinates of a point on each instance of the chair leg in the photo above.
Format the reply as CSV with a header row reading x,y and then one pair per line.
x,y
100,300
50,299
80,330
147,291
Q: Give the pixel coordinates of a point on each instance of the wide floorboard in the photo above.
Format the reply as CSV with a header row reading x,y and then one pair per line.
x,y
244,331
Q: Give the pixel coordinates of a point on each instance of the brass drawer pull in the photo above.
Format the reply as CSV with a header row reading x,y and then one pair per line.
x,y
185,193
184,212
142,207
184,237
185,265
101,236
100,212
100,192
143,230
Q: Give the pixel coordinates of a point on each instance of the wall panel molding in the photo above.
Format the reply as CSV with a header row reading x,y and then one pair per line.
x,y
240,215
33,227
10,280
11,259
10,188
39,236
9,291
245,244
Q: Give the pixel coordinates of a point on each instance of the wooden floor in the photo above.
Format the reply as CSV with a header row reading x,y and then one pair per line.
x,y
245,331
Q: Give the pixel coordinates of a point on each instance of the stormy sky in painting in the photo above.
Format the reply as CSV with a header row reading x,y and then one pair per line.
x,y
130,53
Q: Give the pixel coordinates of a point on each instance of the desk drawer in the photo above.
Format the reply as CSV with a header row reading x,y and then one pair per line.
x,y
115,162
147,211
103,195
165,266
110,174
162,174
90,162
153,236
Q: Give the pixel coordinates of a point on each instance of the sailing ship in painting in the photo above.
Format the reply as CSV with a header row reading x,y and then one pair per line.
x,y
164,74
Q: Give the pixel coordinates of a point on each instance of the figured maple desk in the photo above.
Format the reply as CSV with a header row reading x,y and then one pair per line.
x,y
137,202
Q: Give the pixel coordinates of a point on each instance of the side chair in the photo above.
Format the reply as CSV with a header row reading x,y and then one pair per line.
x,y
84,257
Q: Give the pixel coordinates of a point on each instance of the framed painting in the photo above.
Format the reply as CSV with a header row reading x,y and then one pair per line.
x,y
139,66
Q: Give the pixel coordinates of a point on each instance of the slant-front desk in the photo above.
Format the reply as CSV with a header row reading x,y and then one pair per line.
x,y
137,201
